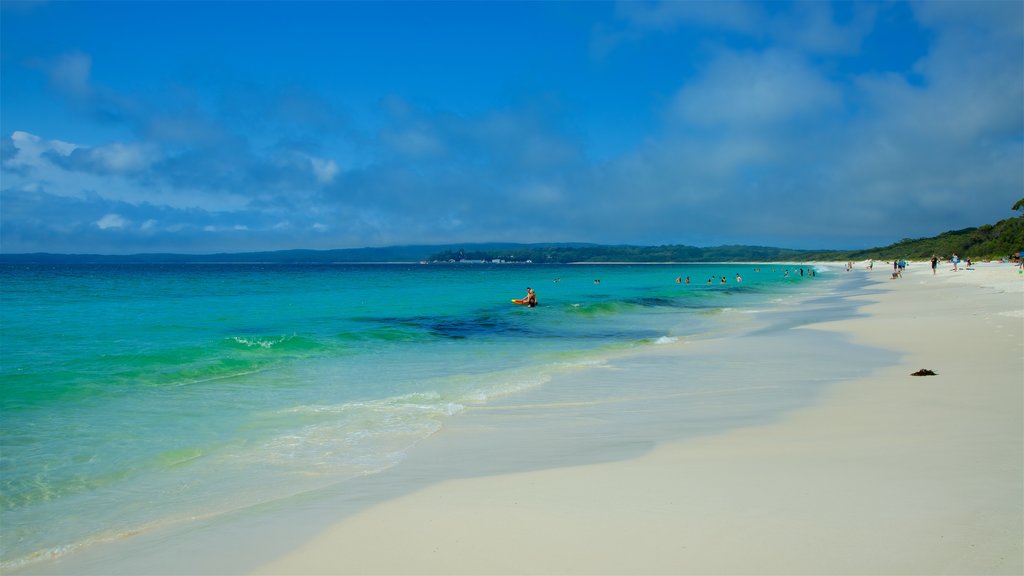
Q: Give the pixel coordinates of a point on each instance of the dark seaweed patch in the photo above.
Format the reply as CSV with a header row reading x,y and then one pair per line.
x,y
455,328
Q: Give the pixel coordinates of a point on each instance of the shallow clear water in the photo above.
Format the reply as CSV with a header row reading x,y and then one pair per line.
x,y
134,396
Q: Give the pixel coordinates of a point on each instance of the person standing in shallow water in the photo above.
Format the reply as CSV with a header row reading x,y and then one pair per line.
x,y
529,300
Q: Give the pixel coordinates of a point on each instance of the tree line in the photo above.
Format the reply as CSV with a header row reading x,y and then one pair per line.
x,y
1003,239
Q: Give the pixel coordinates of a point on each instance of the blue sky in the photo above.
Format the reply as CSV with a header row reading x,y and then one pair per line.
x,y
204,127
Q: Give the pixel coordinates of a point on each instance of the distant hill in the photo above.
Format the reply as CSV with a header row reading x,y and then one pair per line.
x,y
412,253
595,254
993,241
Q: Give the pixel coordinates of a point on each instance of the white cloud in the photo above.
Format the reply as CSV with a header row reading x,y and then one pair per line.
x,y
31,149
112,221
225,228
950,142
783,133
325,170
111,170
118,157
752,89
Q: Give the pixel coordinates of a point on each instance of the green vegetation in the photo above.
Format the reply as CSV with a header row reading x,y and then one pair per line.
x,y
992,241
593,253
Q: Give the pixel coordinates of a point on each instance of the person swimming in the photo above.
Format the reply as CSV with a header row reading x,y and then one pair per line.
x,y
530,299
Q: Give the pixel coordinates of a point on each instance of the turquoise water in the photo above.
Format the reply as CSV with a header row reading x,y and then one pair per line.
x,y
135,396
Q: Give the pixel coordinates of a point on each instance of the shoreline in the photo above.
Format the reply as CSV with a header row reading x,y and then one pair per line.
x,y
886,473
575,490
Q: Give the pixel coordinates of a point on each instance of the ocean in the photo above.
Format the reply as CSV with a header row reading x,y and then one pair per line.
x,y
140,396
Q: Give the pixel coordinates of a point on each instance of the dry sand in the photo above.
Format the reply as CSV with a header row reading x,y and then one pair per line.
x,y
888,474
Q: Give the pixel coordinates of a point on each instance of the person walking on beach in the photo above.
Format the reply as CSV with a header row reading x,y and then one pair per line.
x,y
935,264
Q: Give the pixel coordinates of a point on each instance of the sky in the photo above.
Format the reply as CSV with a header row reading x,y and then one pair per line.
x,y
203,127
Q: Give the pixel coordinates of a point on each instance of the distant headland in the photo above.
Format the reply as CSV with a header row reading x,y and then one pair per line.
x,y
1005,239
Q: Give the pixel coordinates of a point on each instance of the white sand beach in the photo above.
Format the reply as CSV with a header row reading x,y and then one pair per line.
x,y
887,474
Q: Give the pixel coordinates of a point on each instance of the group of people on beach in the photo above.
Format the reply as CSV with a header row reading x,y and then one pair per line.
x,y
955,260
898,266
